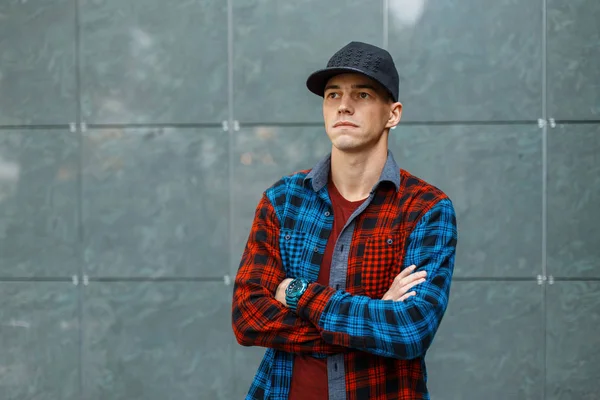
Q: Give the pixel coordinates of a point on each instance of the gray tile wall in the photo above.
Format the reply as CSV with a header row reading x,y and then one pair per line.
x,y
125,203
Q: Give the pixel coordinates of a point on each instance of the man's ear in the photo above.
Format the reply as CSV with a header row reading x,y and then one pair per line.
x,y
395,115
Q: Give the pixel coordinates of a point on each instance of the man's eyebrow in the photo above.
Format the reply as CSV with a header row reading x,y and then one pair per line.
x,y
331,87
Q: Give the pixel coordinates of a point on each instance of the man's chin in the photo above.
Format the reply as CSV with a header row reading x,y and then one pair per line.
x,y
349,147
353,146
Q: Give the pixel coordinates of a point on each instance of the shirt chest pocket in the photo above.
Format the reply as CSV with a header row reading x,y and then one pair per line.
x,y
292,246
381,263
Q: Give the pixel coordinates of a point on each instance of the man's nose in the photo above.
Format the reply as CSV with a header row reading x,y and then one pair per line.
x,y
345,106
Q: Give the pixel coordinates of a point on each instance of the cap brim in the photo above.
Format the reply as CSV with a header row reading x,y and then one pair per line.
x,y
317,80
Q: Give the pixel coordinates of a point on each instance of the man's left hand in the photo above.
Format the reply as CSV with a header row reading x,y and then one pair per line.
x,y
280,293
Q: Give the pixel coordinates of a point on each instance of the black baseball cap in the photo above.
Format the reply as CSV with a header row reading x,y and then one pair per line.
x,y
358,57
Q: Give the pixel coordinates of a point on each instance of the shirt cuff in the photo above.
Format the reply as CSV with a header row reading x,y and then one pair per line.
x,y
313,301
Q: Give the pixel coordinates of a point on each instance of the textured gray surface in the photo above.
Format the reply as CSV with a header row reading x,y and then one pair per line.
x,y
489,345
38,203
37,62
573,199
465,60
153,61
573,59
154,341
155,202
39,337
573,343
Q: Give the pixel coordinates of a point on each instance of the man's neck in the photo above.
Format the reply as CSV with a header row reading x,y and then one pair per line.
x,y
355,174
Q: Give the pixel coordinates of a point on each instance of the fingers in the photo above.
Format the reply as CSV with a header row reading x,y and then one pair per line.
x,y
406,272
388,296
402,281
407,275
406,296
408,286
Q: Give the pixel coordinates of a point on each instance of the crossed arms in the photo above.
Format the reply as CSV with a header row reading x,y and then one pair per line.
x,y
330,321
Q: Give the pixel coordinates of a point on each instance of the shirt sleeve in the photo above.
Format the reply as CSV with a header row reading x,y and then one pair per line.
x,y
258,319
402,330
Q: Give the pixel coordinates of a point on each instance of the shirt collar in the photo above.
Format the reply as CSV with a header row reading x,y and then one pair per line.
x,y
319,175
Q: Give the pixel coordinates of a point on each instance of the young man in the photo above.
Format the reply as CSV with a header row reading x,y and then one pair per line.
x,y
346,274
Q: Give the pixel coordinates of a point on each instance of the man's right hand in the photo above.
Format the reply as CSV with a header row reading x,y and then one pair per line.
x,y
399,291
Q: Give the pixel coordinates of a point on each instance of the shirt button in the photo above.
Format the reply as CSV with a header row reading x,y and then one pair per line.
x,y
315,249
390,241
327,213
287,237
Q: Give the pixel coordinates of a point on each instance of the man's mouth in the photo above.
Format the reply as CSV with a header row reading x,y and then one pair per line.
x,y
345,123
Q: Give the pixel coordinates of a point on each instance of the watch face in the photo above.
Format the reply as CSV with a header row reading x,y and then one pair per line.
x,y
295,287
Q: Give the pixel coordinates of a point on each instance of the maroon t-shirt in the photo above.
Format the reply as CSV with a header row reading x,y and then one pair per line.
x,y
309,375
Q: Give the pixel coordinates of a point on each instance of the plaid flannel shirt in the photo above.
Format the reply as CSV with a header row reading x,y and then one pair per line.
x,y
382,344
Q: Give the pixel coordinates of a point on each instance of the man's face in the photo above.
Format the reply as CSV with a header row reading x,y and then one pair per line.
x,y
357,111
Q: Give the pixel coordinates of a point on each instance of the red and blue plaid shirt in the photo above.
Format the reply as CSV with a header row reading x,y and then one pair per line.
x,y
380,343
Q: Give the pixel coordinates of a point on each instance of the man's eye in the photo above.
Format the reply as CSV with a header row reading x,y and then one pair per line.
x,y
332,95
364,95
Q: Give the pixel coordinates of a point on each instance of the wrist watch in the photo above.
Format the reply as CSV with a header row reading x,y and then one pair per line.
x,y
294,291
